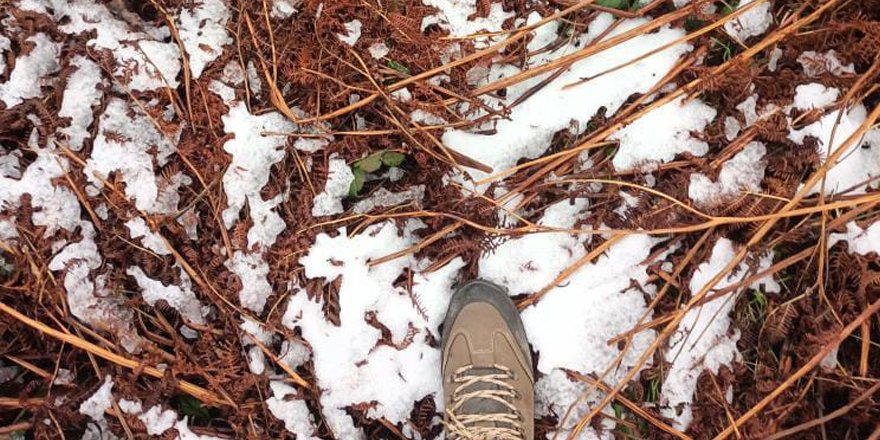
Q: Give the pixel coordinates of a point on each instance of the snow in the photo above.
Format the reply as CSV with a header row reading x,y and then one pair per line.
x,y
858,164
158,421
143,58
137,228
293,412
184,433
530,127
26,78
570,326
203,32
661,134
180,298
859,241
454,17
543,35
704,340
293,353
350,366
528,263
129,143
377,50
555,393
744,172
131,407
382,198
352,33
99,402
80,97
339,180
751,23
817,64
252,270
57,208
284,8
814,95
255,332
253,155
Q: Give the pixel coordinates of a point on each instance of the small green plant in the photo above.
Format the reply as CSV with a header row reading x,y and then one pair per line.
x,y
758,305
614,4
729,7
726,48
693,23
371,164
398,67
653,392
192,407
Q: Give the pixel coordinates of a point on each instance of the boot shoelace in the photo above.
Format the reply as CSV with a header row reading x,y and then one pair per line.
x,y
504,424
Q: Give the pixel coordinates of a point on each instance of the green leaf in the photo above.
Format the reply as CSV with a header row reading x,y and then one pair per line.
x,y
729,7
614,4
392,158
192,407
398,67
371,163
358,183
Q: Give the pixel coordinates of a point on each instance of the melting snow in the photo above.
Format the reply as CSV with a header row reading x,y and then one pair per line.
x,y
157,421
350,366
814,95
56,207
339,180
253,155
141,56
704,340
661,134
180,298
858,164
81,95
99,402
860,241
751,23
25,79
377,51
817,64
293,412
528,263
284,8
129,143
455,17
137,228
252,270
203,32
352,33
744,172
5,45
530,127
383,198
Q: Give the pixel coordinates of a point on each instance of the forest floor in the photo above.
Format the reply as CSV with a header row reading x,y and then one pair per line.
x,y
245,219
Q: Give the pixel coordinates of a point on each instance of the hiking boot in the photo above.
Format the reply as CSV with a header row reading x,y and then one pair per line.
x,y
488,383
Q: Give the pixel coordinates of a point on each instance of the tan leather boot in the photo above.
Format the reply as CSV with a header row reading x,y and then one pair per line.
x,y
488,383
